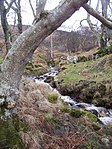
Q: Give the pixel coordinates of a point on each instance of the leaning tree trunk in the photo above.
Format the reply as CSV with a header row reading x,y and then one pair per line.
x,y
106,23
23,48
20,54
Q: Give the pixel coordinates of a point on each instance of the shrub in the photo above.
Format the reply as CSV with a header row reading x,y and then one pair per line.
x,y
82,58
96,126
76,113
52,98
1,60
91,116
102,88
65,109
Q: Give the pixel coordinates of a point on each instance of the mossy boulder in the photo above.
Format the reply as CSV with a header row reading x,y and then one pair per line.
x,y
82,59
49,79
89,92
96,126
76,113
72,112
34,69
104,51
102,88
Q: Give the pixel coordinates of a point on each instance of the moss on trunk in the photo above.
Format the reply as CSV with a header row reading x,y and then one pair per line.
x,y
9,134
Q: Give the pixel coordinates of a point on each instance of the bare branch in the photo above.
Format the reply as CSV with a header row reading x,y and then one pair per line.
x,y
9,6
82,21
95,14
32,9
40,5
97,6
12,7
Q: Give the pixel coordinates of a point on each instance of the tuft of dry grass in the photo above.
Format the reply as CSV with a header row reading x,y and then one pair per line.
x,y
44,131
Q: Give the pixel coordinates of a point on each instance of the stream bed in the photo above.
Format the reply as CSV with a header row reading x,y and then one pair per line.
x,y
104,115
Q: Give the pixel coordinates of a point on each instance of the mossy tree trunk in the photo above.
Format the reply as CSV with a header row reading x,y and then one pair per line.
x,y
20,54
23,48
9,136
106,23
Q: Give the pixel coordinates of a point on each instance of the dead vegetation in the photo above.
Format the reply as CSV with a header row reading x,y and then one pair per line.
x,y
48,127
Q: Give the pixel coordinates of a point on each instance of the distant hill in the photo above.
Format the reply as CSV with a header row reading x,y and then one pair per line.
x,y
71,41
62,40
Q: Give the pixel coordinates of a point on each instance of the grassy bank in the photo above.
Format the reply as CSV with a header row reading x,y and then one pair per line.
x,y
95,70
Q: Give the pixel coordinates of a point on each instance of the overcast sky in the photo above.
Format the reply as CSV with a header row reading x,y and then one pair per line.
x,y
72,23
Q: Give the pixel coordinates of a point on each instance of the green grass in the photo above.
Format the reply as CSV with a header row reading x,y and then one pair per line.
x,y
89,70
1,60
52,98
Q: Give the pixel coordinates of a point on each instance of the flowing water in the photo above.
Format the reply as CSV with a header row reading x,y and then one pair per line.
x,y
104,115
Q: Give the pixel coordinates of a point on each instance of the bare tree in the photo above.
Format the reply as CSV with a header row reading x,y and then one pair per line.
x,y
40,6
17,10
4,22
23,48
33,11
94,13
94,27
102,34
106,23
40,10
105,35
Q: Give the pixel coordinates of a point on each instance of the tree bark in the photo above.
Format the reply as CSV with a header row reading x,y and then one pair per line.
x,y
40,5
23,48
105,34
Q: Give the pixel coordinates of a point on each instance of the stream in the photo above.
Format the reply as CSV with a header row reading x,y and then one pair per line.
x,y
104,115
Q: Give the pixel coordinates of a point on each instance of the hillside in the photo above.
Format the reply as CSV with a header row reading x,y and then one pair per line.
x,y
46,122
83,39
98,70
50,126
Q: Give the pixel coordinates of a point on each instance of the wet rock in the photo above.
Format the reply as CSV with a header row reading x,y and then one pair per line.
x,y
49,79
106,142
82,105
89,92
97,95
106,120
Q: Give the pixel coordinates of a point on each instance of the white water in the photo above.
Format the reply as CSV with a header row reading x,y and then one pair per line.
x,y
104,115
